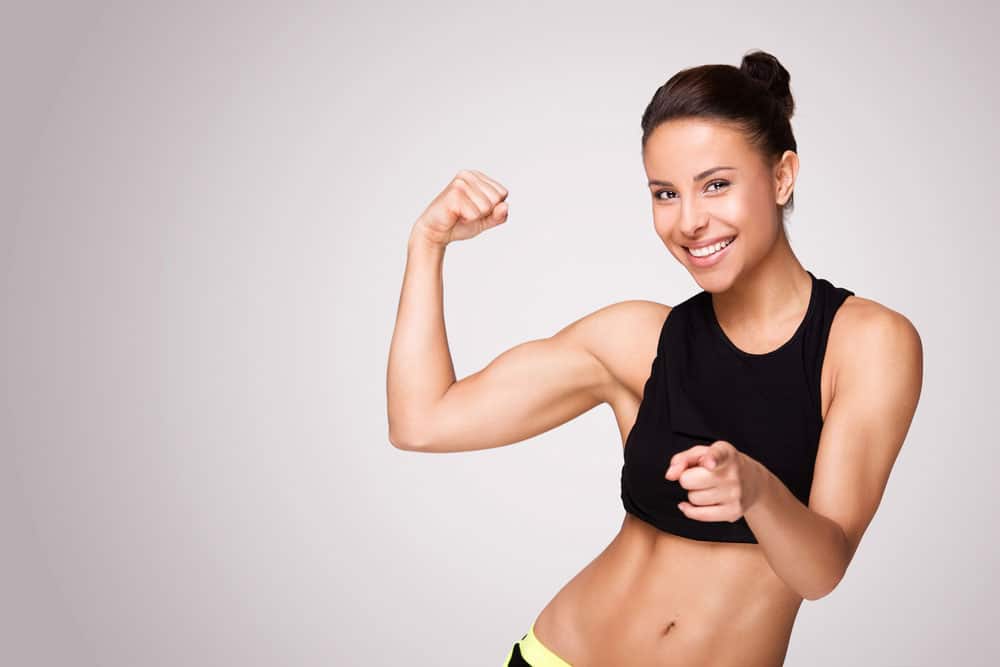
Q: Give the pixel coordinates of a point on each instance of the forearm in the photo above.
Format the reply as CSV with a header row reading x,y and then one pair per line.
x,y
420,368
807,550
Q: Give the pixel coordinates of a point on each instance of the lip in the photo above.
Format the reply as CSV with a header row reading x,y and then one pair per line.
x,y
713,259
711,241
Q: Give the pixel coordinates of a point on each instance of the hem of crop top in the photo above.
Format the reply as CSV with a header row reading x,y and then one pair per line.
x,y
734,532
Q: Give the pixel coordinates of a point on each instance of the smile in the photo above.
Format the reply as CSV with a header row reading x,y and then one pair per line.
x,y
707,251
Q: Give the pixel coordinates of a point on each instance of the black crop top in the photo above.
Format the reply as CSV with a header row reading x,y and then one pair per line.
x,y
703,388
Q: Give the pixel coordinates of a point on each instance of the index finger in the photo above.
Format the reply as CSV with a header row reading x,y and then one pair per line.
x,y
693,452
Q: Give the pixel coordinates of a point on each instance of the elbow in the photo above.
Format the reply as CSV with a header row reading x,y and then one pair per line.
x,y
825,590
410,429
400,431
399,443
841,565
404,440
819,595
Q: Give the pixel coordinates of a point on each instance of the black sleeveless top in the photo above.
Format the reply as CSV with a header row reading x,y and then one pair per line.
x,y
703,388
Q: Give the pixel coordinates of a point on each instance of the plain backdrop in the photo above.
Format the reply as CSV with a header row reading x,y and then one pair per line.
x,y
205,209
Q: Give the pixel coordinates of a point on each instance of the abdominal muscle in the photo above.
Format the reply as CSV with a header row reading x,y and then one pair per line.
x,y
653,598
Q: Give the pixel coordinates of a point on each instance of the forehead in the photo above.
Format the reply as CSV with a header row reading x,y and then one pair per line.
x,y
683,147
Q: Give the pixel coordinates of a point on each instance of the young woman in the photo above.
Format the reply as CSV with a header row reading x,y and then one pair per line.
x,y
760,418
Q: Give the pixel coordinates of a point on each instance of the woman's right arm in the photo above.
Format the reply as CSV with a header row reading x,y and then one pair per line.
x,y
528,389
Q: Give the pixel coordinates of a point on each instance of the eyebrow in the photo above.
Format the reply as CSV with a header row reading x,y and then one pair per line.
x,y
696,178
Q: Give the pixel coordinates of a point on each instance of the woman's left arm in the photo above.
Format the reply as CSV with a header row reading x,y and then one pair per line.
x,y
875,396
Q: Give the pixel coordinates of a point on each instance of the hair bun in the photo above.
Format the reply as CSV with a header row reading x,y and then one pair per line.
x,y
766,70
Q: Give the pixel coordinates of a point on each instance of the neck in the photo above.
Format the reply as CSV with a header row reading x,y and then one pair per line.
x,y
767,297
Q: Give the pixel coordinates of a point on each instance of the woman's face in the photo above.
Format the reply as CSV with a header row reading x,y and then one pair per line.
x,y
708,184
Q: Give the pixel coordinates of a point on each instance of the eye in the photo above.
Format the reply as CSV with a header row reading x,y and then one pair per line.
x,y
721,183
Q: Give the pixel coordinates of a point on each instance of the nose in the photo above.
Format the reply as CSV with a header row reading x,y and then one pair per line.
x,y
693,219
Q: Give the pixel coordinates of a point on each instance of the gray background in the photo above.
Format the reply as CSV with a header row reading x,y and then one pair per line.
x,y
205,213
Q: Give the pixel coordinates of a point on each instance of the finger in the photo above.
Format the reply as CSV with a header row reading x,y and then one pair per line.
x,y
499,214
712,495
485,191
719,454
722,452
697,477
678,464
675,470
463,206
681,460
501,190
469,184
496,192
692,452
704,513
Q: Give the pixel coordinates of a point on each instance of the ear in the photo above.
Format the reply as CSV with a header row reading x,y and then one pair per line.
x,y
785,172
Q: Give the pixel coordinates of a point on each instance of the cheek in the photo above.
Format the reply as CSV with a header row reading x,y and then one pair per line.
x,y
760,202
737,210
664,221
752,215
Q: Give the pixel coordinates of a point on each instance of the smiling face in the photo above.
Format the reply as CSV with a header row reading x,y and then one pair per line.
x,y
708,186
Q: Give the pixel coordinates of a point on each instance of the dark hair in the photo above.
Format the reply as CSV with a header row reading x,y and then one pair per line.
x,y
755,97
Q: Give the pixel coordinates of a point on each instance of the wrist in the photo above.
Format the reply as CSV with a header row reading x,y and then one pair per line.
x,y
424,233
759,479
419,244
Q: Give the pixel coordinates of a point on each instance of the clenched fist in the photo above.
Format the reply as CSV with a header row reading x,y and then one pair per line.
x,y
471,202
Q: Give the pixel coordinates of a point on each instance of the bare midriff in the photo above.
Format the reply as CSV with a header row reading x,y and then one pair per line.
x,y
651,598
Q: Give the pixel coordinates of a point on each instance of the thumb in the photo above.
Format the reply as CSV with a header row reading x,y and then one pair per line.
x,y
715,456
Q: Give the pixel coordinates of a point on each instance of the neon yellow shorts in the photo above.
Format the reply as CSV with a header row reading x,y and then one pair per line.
x,y
532,652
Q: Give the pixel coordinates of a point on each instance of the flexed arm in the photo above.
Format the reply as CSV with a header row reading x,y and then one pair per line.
x,y
526,390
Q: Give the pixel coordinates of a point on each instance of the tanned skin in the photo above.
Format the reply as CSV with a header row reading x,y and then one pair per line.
x,y
651,597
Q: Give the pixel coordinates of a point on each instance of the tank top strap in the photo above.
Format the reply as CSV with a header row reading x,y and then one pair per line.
x,y
681,320
816,333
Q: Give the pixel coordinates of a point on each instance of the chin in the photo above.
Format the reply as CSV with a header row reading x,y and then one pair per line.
x,y
710,283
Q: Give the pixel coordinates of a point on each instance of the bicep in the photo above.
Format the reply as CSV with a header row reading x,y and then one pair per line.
x,y
527,390
874,401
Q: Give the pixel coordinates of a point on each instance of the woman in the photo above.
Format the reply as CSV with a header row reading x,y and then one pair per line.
x,y
760,417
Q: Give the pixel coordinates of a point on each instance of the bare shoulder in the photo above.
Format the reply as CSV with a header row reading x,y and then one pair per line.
x,y
865,331
622,336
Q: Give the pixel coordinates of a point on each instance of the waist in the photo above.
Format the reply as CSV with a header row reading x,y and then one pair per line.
x,y
655,598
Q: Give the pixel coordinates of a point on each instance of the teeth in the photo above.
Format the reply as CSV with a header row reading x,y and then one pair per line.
x,y
710,249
